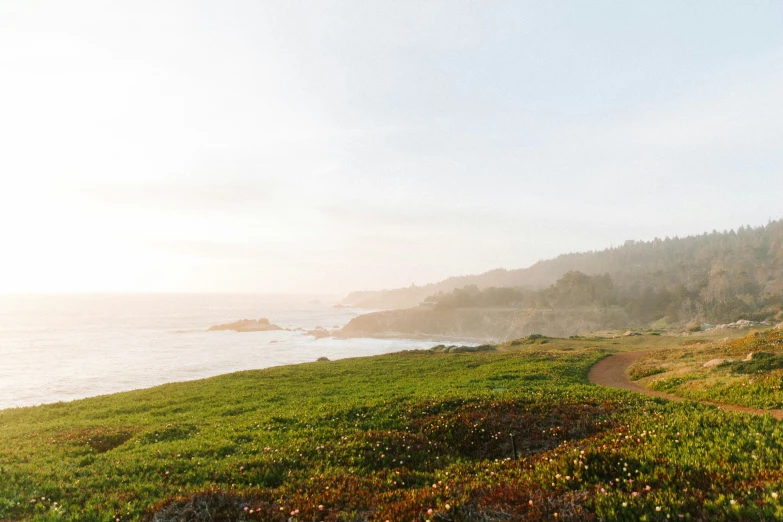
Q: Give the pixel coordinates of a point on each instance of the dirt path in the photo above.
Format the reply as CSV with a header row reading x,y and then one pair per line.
x,y
613,372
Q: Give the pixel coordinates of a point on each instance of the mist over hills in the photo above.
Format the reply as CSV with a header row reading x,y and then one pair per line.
x,y
716,276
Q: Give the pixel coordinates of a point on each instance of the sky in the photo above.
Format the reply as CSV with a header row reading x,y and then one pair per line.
x,y
324,147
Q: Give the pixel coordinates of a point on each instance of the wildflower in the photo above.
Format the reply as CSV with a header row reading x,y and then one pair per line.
x,y
625,504
774,495
657,508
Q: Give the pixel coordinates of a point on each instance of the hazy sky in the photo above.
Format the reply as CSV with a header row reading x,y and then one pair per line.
x,y
265,146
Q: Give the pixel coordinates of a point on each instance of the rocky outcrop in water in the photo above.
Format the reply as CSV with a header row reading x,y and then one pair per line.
x,y
246,325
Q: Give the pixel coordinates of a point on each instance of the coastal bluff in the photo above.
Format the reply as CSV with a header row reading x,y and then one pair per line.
x,y
246,325
480,324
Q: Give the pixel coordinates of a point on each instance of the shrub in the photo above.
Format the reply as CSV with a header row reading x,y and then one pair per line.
x,y
761,362
636,373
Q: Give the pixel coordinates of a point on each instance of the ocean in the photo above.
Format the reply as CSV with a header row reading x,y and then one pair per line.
x,y
66,347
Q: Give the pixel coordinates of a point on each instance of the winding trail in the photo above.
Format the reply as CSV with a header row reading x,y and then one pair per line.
x,y
613,372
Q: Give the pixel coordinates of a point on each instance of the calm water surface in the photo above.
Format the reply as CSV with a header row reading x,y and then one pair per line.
x,y
59,348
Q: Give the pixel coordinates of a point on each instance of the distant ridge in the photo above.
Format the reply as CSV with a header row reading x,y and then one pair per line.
x,y
718,261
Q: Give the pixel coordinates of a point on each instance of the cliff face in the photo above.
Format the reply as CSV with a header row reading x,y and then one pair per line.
x,y
481,324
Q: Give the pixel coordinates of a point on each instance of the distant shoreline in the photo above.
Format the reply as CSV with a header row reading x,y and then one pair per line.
x,y
400,336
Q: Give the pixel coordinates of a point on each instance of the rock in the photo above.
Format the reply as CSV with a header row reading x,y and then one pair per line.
x,y
707,326
748,357
322,359
631,334
779,326
742,323
714,362
246,325
319,332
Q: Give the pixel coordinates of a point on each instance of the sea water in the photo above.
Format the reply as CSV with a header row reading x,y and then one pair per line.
x,y
65,347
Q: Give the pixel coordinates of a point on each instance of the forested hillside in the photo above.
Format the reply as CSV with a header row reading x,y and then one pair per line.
x,y
716,277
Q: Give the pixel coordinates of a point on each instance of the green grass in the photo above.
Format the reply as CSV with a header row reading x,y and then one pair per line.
x,y
756,383
762,362
390,438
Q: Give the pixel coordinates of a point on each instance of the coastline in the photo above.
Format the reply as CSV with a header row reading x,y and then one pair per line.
x,y
419,337
334,352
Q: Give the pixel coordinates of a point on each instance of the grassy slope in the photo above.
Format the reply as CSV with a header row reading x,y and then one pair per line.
x,y
757,383
390,437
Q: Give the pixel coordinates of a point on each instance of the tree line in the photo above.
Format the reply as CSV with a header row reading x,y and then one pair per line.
x,y
712,277
717,277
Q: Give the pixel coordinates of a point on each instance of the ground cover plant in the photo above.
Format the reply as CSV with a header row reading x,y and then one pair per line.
x,y
408,436
744,372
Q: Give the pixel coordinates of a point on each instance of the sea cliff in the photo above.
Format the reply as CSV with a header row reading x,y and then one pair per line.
x,y
481,324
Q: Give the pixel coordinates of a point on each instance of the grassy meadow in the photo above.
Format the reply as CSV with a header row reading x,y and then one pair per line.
x,y
754,383
412,436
